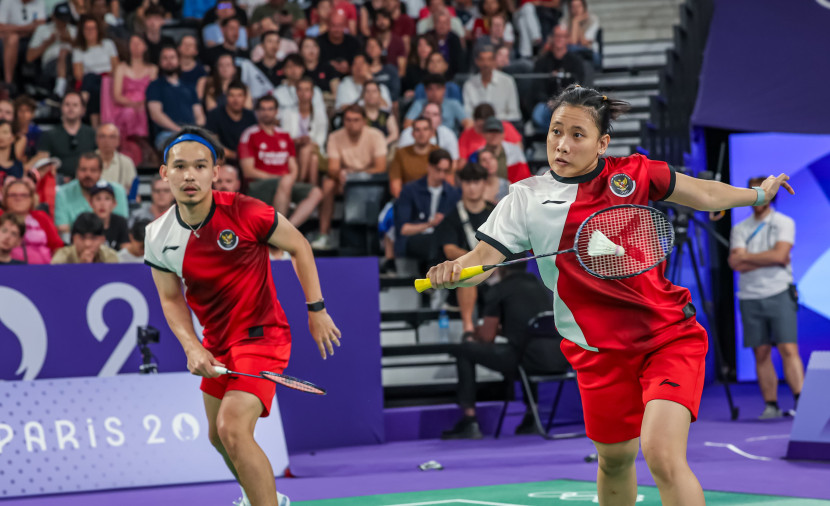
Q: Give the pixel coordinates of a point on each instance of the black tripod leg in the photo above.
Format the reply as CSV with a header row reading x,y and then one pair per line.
x,y
676,263
720,365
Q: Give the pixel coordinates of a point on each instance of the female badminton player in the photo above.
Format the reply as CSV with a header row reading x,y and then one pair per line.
x,y
217,243
637,348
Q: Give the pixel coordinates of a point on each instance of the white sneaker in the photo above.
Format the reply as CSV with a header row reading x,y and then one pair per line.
x,y
771,412
321,243
282,500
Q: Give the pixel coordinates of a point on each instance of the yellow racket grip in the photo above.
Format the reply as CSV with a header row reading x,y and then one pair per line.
x,y
466,273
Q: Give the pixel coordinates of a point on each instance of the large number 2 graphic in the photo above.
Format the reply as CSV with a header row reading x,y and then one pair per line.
x,y
95,320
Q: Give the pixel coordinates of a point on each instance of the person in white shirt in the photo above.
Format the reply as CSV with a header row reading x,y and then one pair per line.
x,y
18,20
351,87
133,251
286,93
52,44
308,127
492,86
94,56
443,137
760,250
118,167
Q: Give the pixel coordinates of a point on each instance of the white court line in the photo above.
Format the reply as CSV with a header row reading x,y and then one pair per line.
x,y
453,501
764,438
735,449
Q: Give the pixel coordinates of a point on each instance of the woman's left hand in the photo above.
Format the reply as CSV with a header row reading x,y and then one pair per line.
x,y
772,184
324,332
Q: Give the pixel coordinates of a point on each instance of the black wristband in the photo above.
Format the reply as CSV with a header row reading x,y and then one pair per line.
x,y
316,306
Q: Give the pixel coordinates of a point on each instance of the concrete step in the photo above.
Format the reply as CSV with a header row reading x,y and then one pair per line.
x,y
619,150
624,141
597,6
634,63
636,94
611,35
636,48
623,126
633,116
639,22
610,17
627,82
431,375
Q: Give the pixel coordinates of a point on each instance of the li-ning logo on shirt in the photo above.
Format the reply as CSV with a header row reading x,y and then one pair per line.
x,y
172,248
622,185
227,240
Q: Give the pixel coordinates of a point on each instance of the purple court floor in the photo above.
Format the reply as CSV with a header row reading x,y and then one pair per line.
x,y
754,464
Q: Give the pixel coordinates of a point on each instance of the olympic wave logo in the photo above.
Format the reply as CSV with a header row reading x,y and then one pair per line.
x,y
22,318
185,427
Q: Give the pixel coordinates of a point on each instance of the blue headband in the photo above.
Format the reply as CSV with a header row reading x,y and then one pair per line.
x,y
193,138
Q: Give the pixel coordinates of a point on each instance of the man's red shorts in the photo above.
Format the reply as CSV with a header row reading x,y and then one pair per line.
x,y
252,359
616,385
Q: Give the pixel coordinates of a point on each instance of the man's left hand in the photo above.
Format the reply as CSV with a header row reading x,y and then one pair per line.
x,y
324,332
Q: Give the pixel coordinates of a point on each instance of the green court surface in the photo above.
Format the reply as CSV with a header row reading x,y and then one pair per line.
x,y
544,493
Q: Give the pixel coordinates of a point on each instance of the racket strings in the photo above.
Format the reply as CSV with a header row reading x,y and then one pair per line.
x,y
295,383
646,235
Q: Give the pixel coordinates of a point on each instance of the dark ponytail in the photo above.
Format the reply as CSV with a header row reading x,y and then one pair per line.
x,y
603,108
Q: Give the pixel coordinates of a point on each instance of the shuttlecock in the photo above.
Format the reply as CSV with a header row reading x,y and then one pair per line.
x,y
600,245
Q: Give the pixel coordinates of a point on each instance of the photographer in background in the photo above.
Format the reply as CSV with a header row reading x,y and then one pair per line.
x,y
760,251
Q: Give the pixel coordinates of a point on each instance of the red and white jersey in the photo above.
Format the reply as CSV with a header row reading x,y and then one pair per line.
x,y
543,213
226,268
269,151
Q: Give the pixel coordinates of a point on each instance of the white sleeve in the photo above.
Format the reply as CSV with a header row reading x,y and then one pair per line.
x,y
345,94
786,230
513,112
384,94
109,46
450,141
319,128
509,36
317,99
40,35
457,27
468,95
5,12
506,227
406,138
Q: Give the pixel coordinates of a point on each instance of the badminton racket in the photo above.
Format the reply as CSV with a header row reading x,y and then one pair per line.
x,y
614,243
280,379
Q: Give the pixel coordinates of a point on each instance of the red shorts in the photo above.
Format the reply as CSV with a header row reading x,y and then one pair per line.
x,y
250,358
616,385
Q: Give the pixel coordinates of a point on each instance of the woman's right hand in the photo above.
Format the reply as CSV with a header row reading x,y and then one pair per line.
x,y
445,275
200,362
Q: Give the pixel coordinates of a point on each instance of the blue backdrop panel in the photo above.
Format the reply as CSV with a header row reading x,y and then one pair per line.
x,y
758,73
806,158
81,320
810,437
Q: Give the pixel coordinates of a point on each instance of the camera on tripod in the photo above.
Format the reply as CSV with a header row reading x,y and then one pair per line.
x,y
147,335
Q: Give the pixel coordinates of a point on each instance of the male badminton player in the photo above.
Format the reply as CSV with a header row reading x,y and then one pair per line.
x,y
217,243
637,348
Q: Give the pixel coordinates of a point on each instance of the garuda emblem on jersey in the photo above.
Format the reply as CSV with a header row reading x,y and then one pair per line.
x,y
622,185
227,240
